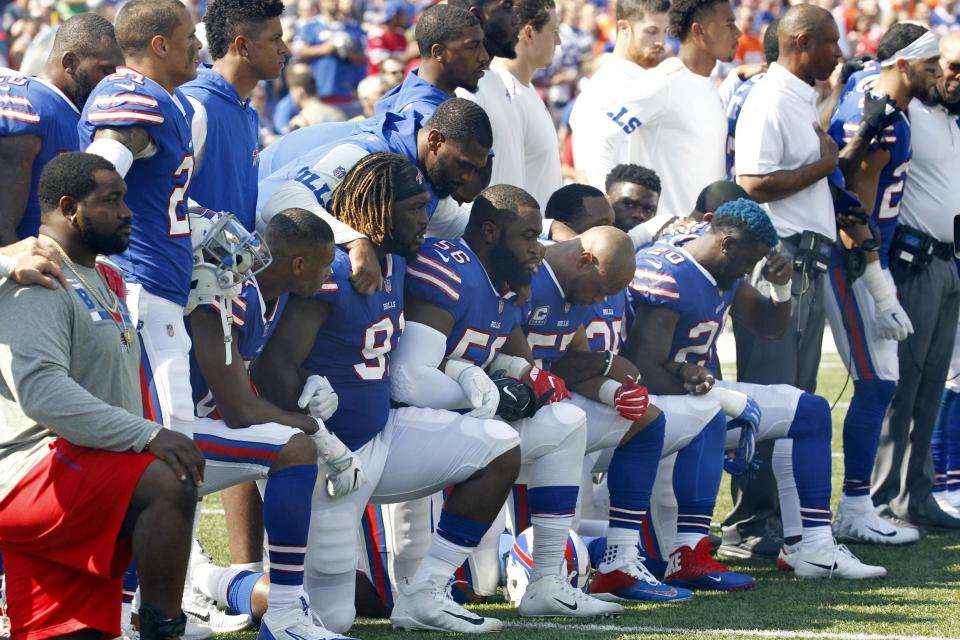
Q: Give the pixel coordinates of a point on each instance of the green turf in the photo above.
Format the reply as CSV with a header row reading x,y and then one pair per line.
x,y
920,596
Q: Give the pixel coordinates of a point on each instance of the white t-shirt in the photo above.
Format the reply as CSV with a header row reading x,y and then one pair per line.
x,y
930,196
600,131
541,147
508,151
681,133
776,132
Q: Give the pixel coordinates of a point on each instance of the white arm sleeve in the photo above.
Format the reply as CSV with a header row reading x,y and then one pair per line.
x,y
449,220
198,128
114,152
414,376
309,188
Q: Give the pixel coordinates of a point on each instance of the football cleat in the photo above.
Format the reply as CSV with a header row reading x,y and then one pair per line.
x,y
943,500
192,632
202,611
865,526
429,606
696,569
630,581
552,597
296,623
787,558
832,560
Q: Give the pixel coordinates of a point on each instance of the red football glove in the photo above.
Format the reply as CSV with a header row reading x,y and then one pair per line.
x,y
114,280
547,387
631,400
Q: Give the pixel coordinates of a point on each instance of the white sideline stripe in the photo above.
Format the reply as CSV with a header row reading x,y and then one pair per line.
x,y
753,633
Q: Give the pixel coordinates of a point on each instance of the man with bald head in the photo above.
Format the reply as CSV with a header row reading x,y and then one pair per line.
x,y
929,291
782,160
41,121
462,327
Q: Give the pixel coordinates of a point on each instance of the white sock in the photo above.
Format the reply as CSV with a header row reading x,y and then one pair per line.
x,y
443,558
619,540
213,581
283,596
856,503
248,566
816,537
549,545
687,539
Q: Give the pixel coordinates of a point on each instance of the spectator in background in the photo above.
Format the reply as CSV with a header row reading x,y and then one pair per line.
x,y
369,91
302,93
260,103
388,39
391,72
331,44
749,46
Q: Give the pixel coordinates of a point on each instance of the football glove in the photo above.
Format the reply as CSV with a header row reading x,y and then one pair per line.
x,y
517,400
878,114
320,397
547,386
743,461
346,475
631,399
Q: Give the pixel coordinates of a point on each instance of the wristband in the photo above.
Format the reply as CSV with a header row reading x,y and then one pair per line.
x,y
454,368
608,391
512,366
151,438
607,365
732,402
7,265
781,292
882,290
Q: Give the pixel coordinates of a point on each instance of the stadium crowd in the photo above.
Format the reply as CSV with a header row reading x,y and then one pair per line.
x,y
431,295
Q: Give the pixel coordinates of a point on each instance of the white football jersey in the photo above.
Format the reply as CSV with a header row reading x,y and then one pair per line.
x,y
541,147
680,132
600,131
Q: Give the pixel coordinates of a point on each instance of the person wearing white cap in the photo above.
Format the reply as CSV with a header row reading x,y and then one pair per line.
x,y
922,263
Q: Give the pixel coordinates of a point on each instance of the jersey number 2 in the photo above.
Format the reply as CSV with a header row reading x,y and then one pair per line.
x,y
179,222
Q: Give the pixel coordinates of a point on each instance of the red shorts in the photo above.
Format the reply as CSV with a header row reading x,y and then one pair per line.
x,y
62,546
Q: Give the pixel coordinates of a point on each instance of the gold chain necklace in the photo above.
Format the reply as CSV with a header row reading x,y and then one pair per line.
x,y
112,307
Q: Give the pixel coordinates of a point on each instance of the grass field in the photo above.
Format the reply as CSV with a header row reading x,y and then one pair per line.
x,y
919,597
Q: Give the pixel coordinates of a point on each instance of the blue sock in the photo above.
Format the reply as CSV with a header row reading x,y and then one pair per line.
x,y
940,441
696,482
631,474
286,517
953,445
240,592
861,432
811,432
461,531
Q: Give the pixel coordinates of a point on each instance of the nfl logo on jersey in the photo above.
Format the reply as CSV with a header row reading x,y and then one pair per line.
x,y
339,173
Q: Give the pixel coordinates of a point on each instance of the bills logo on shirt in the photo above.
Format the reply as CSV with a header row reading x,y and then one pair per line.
x,y
539,315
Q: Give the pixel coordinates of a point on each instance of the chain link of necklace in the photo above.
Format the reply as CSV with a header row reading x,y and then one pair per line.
x,y
112,307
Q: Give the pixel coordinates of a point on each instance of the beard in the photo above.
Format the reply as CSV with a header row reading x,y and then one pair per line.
x,y
439,181
99,243
500,44
508,268
82,88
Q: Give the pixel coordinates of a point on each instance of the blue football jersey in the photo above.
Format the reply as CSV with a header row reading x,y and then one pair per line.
x,y
605,323
857,79
552,321
353,347
316,170
33,107
413,93
447,273
159,256
893,178
254,320
667,276
733,115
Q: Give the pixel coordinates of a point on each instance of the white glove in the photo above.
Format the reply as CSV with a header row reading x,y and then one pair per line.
x,y
481,392
346,474
893,323
320,397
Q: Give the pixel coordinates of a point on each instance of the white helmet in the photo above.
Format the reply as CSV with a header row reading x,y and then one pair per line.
x,y
519,565
224,255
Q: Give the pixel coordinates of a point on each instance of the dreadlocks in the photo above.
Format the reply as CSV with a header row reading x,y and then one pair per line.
x,y
364,199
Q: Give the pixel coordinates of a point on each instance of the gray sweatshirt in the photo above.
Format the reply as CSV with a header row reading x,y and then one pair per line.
x,y
64,372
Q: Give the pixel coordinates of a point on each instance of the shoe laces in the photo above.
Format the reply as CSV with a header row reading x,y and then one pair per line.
x,y
635,568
